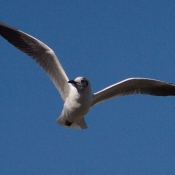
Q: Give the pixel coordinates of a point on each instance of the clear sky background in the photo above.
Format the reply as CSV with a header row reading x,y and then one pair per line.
x,y
106,42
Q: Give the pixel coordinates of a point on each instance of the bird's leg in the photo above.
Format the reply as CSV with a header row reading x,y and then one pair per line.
x,y
68,123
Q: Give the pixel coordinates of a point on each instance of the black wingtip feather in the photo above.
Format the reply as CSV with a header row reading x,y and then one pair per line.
x,y
11,34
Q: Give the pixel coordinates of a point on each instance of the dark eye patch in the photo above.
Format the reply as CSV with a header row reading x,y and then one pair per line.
x,y
84,81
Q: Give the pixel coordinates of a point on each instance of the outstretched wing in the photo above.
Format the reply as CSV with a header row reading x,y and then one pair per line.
x,y
135,86
41,53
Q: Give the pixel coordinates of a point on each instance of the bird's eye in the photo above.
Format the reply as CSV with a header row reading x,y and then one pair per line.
x,y
82,81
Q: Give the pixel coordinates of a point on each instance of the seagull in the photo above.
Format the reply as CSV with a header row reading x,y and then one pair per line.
x,y
77,94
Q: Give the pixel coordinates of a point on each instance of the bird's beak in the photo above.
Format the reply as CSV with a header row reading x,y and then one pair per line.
x,y
72,82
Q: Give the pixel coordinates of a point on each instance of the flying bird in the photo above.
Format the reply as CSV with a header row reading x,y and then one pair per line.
x,y
77,94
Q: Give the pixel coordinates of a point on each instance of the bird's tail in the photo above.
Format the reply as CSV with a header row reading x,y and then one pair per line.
x,y
75,125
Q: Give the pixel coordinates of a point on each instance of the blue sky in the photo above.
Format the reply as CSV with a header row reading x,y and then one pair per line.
x,y
105,41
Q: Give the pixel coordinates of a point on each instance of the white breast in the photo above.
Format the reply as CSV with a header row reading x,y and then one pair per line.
x,y
77,105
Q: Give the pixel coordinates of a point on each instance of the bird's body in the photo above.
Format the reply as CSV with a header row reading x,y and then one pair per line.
x,y
77,94
76,106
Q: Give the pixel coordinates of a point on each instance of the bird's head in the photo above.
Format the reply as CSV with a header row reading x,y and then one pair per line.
x,y
80,83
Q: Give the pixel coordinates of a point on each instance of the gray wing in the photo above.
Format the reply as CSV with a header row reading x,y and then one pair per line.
x,y
135,86
40,53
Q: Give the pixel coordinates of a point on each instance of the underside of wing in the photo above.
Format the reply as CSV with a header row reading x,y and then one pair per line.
x,y
40,53
135,86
